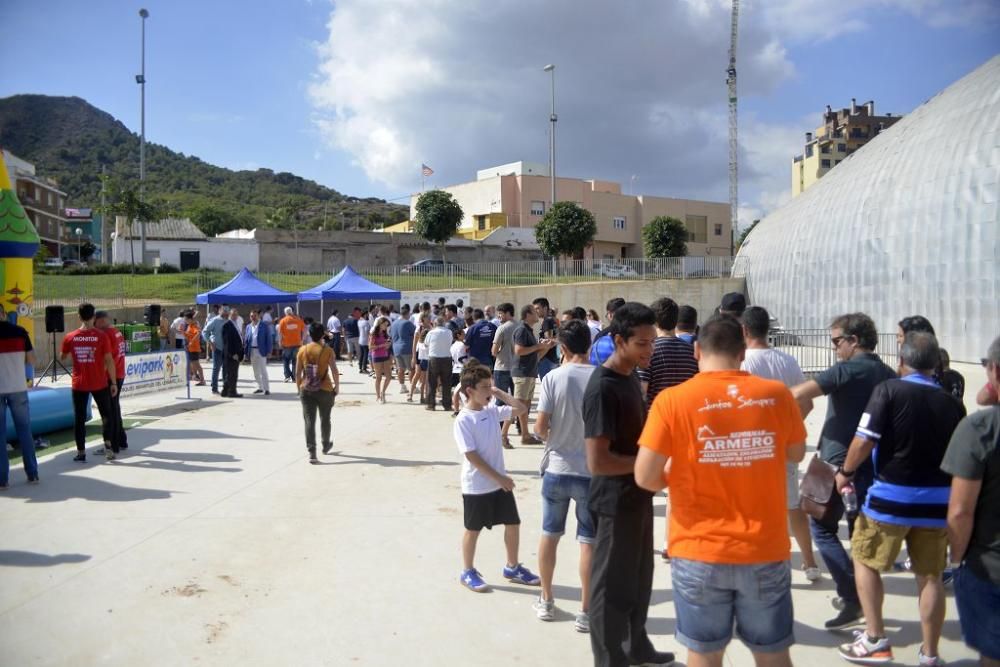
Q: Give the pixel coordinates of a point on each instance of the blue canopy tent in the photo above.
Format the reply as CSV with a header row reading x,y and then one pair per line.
x,y
346,286
245,287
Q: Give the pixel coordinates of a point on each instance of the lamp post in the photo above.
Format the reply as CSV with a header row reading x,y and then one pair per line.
x,y
79,244
141,80
551,69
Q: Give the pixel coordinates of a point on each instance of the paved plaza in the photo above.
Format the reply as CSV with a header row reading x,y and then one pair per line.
x,y
212,541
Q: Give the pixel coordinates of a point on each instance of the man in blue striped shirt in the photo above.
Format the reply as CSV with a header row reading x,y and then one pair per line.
x,y
905,428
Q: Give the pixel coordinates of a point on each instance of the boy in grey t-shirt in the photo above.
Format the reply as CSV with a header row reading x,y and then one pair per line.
x,y
565,475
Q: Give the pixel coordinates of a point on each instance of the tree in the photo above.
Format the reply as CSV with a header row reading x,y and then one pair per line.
x,y
438,217
565,229
745,233
123,199
665,237
213,220
87,250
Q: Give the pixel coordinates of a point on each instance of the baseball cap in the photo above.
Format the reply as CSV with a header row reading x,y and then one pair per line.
x,y
734,302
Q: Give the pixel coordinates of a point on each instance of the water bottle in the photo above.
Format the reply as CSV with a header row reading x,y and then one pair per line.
x,y
850,498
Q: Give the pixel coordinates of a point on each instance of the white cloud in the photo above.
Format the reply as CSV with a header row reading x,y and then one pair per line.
x,y
640,87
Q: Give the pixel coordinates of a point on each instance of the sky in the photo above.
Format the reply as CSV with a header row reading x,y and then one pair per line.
x,y
358,94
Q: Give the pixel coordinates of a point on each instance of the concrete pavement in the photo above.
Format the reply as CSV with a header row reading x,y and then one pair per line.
x,y
212,541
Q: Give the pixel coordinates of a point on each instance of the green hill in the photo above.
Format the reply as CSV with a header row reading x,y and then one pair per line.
x,y
69,140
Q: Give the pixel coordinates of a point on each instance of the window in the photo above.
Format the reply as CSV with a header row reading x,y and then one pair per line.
x,y
537,208
718,229
824,163
481,222
825,149
809,150
841,148
858,133
697,226
48,198
618,222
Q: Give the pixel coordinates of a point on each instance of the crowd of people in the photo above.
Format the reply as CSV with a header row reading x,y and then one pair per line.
x,y
642,402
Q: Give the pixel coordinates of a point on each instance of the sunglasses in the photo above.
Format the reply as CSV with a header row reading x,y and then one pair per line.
x,y
985,362
837,340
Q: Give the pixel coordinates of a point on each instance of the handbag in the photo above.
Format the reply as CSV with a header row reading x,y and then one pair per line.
x,y
816,490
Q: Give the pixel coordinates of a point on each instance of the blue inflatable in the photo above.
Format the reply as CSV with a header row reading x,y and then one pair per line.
x,y
51,410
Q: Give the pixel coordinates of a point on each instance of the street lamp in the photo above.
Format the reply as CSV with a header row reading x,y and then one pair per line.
x,y
141,80
79,244
551,69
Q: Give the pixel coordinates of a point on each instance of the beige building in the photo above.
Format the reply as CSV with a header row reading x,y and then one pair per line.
x,y
518,195
842,132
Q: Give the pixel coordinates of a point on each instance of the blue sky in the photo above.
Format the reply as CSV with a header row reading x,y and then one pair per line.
x,y
356,96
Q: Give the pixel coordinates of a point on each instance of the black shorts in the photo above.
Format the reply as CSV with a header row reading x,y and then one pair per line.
x,y
485,510
194,356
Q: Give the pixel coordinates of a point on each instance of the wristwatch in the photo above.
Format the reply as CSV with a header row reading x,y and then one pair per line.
x,y
848,475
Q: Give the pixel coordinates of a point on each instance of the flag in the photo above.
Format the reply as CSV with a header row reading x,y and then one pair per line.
x,y
425,170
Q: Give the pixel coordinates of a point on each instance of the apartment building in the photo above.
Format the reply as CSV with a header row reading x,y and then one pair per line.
x,y
842,132
518,194
41,199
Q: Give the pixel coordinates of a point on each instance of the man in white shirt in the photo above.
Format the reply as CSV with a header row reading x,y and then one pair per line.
x,y
439,362
565,475
764,361
334,326
177,328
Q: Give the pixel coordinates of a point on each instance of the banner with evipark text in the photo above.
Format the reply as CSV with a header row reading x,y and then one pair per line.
x,y
154,371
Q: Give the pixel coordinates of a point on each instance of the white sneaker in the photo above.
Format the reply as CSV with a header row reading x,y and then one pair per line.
x,y
402,389
813,574
544,609
582,622
929,660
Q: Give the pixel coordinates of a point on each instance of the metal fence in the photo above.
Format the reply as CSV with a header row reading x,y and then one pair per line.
x,y
124,290
814,351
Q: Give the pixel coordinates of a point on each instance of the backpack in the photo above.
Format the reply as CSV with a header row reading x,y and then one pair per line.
x,y
312,379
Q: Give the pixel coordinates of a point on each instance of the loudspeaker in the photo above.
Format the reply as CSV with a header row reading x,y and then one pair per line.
x,y
152,314
54,321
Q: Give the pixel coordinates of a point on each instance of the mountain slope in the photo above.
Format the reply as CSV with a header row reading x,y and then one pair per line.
x,y
69,140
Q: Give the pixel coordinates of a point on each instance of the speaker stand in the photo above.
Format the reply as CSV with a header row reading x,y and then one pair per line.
x,y
54,364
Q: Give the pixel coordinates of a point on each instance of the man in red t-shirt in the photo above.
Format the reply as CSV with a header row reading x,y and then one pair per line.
x,y
94,374
102,321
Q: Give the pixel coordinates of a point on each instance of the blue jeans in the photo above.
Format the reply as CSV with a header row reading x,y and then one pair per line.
x,y
708,597
557,491
288,361
977,600
545,366
218,359
824,534
18,404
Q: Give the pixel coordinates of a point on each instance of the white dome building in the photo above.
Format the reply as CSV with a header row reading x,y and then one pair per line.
x,y
907,225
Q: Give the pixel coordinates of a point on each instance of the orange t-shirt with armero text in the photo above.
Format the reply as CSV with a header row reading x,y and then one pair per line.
x,y
726,434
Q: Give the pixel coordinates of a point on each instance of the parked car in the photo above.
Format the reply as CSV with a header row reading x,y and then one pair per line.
x,y
67,263
616,271
52,263
431,266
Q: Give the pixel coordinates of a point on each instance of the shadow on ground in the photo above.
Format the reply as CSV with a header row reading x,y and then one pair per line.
x,y
32,559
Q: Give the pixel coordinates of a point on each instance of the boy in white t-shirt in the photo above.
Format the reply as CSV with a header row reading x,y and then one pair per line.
x,y
487,490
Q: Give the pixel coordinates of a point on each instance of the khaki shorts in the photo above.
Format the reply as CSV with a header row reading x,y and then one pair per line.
x,y
877,544
524,389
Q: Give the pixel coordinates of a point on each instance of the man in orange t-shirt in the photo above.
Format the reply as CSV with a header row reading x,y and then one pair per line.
x,y
720,442
290,331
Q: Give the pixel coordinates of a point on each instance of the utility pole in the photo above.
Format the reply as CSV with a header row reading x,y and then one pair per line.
x,y
141,80
104,185
733,139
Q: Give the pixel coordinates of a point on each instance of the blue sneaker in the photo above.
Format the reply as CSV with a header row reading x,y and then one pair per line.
x,y
521,575
472,580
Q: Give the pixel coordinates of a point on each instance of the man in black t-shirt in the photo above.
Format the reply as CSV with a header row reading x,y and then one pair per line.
x,y
528,351
549,329
848,385
614,412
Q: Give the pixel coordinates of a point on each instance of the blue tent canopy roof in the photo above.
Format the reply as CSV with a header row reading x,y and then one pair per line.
x,y
348,285
245,287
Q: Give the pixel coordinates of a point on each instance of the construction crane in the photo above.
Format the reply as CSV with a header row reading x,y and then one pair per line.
x,y
734,171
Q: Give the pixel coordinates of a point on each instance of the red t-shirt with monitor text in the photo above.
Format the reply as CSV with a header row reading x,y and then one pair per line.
x,y
87,347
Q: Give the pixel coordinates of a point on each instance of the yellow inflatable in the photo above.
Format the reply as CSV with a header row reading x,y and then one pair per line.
x,y
18,245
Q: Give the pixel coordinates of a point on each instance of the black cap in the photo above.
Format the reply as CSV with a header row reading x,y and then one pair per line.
x,y
734,302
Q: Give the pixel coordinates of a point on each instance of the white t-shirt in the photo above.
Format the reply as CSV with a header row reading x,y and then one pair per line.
x,y
774,365
364,327
333,324
421,351
393,316
595,328
561,397
415,318
479,431
458,356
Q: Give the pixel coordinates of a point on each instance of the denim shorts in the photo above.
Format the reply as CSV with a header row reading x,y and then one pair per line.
x,y
557,490
503,381
708,597
978,600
